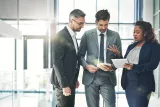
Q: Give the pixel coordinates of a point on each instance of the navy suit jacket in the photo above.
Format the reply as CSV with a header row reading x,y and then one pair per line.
x,y
65,68
148,61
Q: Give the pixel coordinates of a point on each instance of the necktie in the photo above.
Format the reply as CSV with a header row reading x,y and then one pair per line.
x,y
101,57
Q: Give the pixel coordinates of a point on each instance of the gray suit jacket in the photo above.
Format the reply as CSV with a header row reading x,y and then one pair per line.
x,y
89,47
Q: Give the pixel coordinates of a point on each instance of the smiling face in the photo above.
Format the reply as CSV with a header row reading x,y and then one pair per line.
x,y
102,25
138,34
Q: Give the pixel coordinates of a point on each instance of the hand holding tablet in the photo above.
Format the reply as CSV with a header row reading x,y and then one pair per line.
x,y
105,66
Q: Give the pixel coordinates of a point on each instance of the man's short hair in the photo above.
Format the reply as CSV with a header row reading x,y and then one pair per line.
x,y
102,15
76,13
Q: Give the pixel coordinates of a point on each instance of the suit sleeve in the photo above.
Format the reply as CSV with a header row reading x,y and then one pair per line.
x,y
82,50
152,64
58,61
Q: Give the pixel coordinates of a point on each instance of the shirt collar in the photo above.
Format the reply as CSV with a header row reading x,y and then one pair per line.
x,y
71,32
98,32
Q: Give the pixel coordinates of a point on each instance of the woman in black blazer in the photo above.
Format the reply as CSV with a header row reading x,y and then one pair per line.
x,y
143,56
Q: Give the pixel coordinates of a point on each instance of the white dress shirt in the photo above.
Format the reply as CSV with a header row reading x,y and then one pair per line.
x,y
105,48
73,35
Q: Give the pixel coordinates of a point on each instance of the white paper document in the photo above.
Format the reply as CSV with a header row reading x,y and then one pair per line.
x,y
119,63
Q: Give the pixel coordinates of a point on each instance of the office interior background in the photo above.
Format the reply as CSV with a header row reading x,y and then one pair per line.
x,y
26,31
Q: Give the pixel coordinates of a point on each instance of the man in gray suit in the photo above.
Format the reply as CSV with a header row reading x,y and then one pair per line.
x,y
100,45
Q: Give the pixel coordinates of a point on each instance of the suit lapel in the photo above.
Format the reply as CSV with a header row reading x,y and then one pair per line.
x,y
108,39
94,34
68,36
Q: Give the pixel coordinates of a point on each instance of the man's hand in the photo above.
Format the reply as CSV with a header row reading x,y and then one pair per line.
x,y
105,67
114,49
91,68
66,91
77,84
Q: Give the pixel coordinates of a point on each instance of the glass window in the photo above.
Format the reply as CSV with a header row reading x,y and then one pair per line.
x,y
7,54
7,64
126,31
156,22
33,27
126,11
60,27
35,61
125,44
112,6
156,5
35,77
157,34
79,34
64,10
113,27
32,9
86,27
89,7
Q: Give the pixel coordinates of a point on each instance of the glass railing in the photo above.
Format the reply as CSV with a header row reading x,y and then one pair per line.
x,y
34,89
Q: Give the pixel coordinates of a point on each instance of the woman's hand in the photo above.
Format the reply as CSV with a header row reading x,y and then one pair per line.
x,y
128,66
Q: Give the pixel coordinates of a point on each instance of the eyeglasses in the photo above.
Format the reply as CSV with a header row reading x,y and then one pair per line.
x,y
79,23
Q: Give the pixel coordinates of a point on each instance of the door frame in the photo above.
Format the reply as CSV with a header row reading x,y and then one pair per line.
x,y
45,49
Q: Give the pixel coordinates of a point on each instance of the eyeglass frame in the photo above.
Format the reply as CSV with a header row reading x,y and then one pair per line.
x,y
79,23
